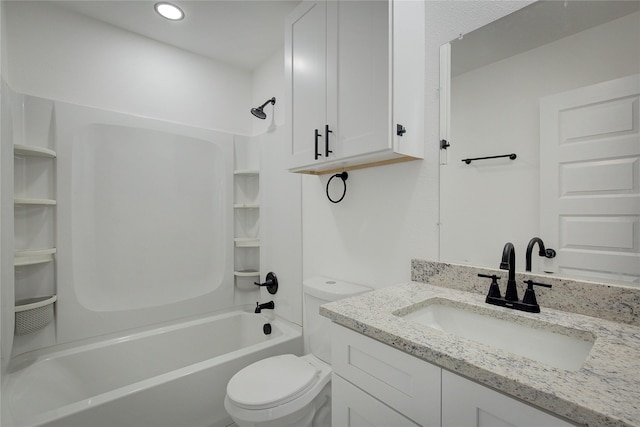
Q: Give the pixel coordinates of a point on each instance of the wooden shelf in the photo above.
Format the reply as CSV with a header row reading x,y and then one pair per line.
x,y
33,256
37,202
33,151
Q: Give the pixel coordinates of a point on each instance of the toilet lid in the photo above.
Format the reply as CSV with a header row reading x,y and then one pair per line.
x,y
271,382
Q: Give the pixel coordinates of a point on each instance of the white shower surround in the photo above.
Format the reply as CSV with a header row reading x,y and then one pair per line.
x,y
144,221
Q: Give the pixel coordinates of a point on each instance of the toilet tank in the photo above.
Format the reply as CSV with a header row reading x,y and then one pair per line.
x,y
316,328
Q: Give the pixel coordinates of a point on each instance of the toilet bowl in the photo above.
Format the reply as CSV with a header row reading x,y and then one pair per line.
x,y
290,390
280,391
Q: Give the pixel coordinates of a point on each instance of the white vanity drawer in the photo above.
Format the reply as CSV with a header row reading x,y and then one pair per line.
x,y
407,384
352,407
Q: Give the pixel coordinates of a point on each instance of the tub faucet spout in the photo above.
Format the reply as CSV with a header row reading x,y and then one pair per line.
x,y
267,305
509,263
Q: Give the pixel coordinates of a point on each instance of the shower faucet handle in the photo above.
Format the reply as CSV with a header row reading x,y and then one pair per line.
x,y
271,282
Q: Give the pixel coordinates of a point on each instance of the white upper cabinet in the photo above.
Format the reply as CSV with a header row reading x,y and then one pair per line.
x,y
355,76
306,74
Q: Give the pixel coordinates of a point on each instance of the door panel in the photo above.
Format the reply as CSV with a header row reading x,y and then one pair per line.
x,y
590,180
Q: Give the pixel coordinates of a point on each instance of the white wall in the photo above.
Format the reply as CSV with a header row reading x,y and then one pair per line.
x,y
280,191
61,55
506,194
390,213
268,82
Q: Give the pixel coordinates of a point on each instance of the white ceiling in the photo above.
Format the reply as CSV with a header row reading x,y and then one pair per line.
x,y
539,23
242,33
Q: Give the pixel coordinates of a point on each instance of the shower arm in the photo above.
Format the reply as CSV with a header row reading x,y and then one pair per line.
x,y
270,101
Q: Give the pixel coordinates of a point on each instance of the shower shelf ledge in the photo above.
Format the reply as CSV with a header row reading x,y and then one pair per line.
x,y
33,201
247,172
247,242
33,314
246,206
33,151
33,256
247,273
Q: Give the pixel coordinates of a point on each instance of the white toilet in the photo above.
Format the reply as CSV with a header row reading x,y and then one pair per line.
x,y
289,390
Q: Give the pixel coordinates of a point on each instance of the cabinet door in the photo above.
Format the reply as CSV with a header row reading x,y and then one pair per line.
x,y
358,89
403,382
408,77
352,407
465,403
305,68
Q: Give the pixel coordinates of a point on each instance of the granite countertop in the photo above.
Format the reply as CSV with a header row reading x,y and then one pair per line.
x,y
604,392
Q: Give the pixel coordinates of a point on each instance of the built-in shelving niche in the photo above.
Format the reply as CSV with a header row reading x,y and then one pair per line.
x,y
246,199
34,217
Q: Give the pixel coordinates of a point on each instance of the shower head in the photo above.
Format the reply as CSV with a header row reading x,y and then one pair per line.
x,y
259,111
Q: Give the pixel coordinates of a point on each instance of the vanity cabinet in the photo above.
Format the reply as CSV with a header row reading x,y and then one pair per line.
x,y
392,380
465,403
354,74
375,384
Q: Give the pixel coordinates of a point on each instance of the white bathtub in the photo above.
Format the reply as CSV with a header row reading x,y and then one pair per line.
x,y
173,376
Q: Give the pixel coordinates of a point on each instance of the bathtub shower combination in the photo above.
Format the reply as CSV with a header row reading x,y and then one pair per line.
x,y
144,237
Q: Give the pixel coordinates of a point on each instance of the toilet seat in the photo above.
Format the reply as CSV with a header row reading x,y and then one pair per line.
x,y
272,382
297,402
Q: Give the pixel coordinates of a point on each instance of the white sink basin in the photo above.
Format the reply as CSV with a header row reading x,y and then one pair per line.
x,y
555,349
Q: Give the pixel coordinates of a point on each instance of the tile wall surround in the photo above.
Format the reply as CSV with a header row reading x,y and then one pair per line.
x,y
612,302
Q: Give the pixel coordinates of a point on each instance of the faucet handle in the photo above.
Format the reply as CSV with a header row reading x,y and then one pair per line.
x,y
494,289
271,283
529,294
531,284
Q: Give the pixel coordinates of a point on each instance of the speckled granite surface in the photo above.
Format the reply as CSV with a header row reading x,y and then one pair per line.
x,y
604,392
611,302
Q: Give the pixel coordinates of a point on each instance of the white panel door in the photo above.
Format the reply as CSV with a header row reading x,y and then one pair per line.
x,y
590,180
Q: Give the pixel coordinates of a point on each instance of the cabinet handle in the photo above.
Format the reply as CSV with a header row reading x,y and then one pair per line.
x,y
400,130
316,152
326,140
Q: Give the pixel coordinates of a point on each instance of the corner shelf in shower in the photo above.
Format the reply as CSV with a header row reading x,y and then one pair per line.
x,y
247,273
247,216
33,151
33,314
247,172
33,256
19,201
247,242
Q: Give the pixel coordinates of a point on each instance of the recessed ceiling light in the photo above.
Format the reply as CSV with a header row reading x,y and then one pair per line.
x,y
169,11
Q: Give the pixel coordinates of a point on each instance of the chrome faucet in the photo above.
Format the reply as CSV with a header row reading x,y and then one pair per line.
x,y
509,263
547,253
